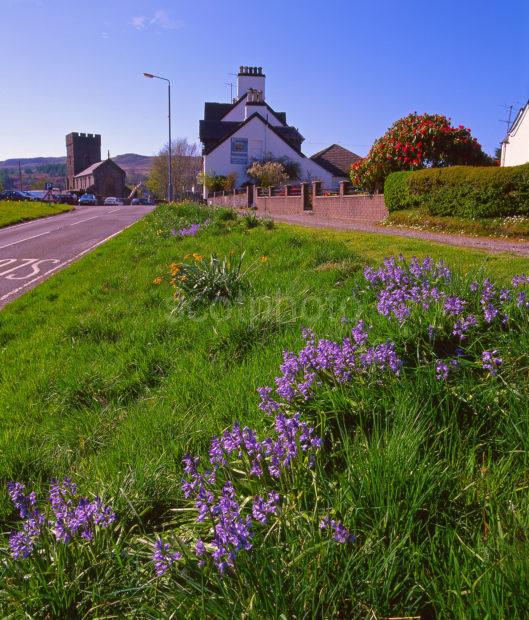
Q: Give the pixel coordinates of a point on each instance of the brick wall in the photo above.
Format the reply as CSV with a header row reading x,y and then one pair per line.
x,y
341,206
355,207
279,205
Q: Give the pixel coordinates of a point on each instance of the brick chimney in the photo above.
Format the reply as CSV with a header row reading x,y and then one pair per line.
x,y
250,78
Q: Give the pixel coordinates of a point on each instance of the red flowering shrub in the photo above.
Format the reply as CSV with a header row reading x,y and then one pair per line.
x,y
417,141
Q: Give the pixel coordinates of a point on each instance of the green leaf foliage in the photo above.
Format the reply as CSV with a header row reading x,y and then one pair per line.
x,y
461,191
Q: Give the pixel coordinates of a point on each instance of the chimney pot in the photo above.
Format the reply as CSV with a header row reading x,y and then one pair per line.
x,y
241,69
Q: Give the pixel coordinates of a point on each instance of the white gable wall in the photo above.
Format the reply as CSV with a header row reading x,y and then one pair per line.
x,y
237,113
242,111
516,150
262,140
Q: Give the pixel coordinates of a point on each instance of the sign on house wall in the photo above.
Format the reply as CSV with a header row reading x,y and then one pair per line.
x,y
239,151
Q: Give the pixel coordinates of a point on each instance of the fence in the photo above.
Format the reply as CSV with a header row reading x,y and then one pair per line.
x,y
345,204
239,198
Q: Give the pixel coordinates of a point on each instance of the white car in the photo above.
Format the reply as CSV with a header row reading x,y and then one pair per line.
x,y
112,201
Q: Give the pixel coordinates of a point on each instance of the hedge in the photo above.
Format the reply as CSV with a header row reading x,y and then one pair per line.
x,y
462,191
396,192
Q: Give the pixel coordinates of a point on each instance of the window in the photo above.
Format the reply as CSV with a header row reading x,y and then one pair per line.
x,y
239,151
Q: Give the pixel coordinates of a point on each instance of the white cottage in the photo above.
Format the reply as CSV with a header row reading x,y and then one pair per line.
x,y
515,146
234,134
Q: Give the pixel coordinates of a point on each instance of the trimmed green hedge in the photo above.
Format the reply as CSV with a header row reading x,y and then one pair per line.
x,y
461,191
396,192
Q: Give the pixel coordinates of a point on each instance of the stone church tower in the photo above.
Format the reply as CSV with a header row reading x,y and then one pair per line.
x,y
82,150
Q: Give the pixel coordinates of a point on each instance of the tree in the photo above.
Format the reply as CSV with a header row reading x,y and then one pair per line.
x,y
417,141
268,173
186,164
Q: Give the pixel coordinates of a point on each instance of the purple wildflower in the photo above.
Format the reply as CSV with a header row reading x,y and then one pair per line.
x,y
339,532
163,558
443,367
267,404
76,515
72,515
491,362
521,300
23,503
262,508
454,306
462,326
189,231
400,287
520,280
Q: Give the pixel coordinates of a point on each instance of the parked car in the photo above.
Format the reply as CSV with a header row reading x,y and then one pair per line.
x,y
135,201
65,199
88,199
112,200
11,194
33,196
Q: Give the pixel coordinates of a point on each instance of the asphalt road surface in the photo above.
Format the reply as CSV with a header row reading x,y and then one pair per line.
x,y
33,251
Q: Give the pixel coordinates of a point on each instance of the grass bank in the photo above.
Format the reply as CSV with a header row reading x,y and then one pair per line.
x,y
12,212
101,380
515,227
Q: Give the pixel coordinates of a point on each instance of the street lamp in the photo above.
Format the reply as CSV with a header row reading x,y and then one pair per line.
x,y
170,184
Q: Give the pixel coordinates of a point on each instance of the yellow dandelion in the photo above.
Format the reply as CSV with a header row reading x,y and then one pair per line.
x,y
263,259
158,280
182,278
197,257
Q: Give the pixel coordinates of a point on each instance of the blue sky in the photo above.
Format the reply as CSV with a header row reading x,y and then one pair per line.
x,y
343,71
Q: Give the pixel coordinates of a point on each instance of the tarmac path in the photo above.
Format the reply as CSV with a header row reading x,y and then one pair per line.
x,y
33,251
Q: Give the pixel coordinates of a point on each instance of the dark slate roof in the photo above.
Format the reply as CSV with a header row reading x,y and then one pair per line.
x,y
213,130
212,134
93,167
336,160
215,111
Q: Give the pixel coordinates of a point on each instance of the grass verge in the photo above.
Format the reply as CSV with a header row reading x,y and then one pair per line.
x,y
12,212
102,380
516,227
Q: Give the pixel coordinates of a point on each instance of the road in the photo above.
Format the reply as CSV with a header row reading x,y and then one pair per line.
x,y
33,251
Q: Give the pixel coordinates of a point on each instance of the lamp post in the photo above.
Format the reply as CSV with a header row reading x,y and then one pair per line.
x,y
170,183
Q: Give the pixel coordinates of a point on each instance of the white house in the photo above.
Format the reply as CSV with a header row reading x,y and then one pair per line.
x,y
515,146
234,134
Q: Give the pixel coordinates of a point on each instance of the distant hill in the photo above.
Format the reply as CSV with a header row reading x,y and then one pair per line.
x,y
38,170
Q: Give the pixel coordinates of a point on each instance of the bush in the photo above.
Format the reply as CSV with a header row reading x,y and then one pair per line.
x,y
461,191
414,142
267,174
396,192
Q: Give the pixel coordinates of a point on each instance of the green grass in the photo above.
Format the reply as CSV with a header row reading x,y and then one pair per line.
x,y
100,379
12,212
516,227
